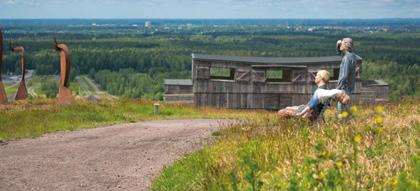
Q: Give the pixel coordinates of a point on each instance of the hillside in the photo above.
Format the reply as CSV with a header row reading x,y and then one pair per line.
x,y
35,117
376,149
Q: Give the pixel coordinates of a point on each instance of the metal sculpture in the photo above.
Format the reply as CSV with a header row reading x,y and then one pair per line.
x,y
3,95
64,93
22,92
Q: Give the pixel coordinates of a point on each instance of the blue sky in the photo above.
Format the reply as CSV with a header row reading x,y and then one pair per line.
x,y
209,9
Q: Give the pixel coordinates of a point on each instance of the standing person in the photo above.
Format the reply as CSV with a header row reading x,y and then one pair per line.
x,y
347,76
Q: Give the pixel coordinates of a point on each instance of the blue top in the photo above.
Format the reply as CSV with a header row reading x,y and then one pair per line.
x,y
347,76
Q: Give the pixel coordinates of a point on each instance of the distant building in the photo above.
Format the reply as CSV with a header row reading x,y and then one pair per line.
x,y
178,90
148,24
264,82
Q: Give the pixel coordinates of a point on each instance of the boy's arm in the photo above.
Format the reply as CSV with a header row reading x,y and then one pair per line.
x,y
324,95
304,111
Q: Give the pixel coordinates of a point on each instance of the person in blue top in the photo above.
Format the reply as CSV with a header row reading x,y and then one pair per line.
x,y
314,109
347,76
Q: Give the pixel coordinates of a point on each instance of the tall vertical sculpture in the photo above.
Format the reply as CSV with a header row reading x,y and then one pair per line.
x,y
64,93
22,92
3,95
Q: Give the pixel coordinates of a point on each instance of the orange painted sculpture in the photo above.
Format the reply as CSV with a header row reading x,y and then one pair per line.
x,y
22,92
3,95
64,93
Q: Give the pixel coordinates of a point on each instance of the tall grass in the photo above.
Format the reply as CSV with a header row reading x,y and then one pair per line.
x,y
35,117
376,149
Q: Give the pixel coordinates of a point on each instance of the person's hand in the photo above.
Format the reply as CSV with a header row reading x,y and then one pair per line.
x,y
307,114
304,111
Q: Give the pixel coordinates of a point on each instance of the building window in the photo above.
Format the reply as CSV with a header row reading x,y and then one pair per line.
x,y
222,73
334,73
277,75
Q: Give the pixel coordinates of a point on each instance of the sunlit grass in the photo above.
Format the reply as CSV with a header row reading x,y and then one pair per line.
x,y
88,86
376,149
11,89
34,117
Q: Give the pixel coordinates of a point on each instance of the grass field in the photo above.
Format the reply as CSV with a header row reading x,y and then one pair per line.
x,y
89,87
36,81
377,149
11,89
34,117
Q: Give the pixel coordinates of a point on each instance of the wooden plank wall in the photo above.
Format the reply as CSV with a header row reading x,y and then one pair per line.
x,y
249,89
178,89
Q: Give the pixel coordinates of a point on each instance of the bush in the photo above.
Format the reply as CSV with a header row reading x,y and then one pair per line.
x,y
50,87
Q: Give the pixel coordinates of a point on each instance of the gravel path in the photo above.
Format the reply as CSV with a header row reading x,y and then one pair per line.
x,y
119,157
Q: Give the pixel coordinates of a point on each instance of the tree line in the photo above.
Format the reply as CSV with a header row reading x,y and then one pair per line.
x,y
389,56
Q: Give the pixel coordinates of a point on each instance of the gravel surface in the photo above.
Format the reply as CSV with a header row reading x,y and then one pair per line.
x,y
119,157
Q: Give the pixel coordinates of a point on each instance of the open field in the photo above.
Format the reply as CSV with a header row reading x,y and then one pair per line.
x,y
33,118
11,89
377,149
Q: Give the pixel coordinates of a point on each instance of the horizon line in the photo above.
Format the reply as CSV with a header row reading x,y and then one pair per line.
x,y
204,18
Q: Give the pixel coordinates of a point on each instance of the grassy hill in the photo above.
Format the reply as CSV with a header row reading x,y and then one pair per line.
x,y
35,117
377,149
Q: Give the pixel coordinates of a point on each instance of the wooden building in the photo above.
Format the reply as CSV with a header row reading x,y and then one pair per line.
x,y
269,82
178,91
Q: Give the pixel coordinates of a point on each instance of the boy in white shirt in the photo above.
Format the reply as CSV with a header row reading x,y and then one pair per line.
x,y
314,108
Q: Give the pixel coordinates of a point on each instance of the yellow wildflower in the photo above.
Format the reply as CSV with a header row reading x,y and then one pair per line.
x,y
344,114
353,108
339,164
379,109
358,139
379,120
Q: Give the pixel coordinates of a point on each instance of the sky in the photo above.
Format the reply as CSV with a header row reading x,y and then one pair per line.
x,y
210,9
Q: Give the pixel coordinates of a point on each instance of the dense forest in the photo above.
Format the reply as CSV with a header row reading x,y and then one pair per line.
x,y
133,61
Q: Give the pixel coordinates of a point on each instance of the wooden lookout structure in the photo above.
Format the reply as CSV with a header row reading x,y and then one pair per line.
x,y
268,82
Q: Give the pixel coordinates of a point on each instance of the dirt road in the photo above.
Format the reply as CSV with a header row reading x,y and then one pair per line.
x,y
119,157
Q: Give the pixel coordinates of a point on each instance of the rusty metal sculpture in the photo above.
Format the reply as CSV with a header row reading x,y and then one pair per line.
x,y
64,93
3,95
22,92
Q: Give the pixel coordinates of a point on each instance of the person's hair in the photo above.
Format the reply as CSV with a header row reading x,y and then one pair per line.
x,y
325,75
348,42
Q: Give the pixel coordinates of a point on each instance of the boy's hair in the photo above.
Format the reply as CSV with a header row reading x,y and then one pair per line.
x,y
325,75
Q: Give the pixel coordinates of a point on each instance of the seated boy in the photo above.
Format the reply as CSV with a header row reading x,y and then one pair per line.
x,y
314,109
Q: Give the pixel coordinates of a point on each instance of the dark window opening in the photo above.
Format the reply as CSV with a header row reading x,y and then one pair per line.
x,y
334,74
222,73
312,76
278,75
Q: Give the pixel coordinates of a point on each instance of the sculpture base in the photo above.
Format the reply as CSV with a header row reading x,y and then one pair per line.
x,y
21,93
65,96
3,95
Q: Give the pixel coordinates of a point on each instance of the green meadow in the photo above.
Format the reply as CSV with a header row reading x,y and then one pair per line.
x,y
375,149
35,117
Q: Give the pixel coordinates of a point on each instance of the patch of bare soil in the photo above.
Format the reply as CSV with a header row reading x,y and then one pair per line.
x,y
119,157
